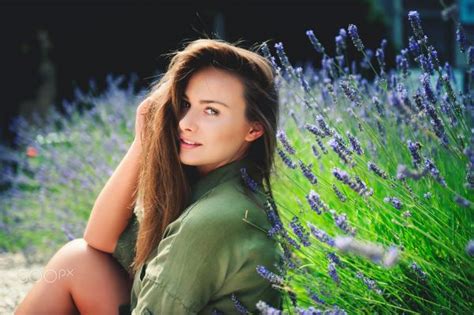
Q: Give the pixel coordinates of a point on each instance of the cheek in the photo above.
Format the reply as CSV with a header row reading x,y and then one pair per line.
x,y
228,132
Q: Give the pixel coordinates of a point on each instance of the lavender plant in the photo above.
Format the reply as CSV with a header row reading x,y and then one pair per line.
x,y
372,199
61,163
393,196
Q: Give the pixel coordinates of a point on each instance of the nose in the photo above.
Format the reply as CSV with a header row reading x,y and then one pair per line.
x,y
188,121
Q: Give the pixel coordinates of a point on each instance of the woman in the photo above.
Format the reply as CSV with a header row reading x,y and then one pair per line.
x,y
198,230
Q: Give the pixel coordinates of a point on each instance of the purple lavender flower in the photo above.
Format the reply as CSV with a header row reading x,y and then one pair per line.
x,y
266,309
309,311
434,172
353,32
328,66
402,65
306,169
341,175
315,42
314,130
343,34
339,193
425,64
321,145
313,200
334,258
433,57
300,231
379,54
302,80
286,159
251,184
281,135
414,47
273,217
238,305
315,151
323,125
314,296
333,273
418,271
284,59
321,235
415,22
266,52
461,38
341,222
365,62
350,92
355,143
371,284
340,45
340,60
394,201
374,168
414,148
463,202
340,152
270,276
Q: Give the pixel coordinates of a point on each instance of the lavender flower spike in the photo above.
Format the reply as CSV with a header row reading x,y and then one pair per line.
x,y
270,276
353,32
415,23
266,309
333,273
251,184
238,305
281,135
461,38
306,169
300,231
321,235
315,42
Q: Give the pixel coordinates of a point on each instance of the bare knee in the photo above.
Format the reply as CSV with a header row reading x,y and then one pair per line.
x,y
80,277
96,278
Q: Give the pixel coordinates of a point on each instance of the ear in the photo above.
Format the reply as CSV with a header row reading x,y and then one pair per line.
x,y
255,132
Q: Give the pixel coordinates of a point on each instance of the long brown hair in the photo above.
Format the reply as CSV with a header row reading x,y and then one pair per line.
x,y
164,183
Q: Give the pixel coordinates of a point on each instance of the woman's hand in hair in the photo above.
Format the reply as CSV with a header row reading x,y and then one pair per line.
x,y
142,110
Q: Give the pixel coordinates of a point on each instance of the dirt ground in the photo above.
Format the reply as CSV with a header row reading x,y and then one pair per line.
x,y
17,277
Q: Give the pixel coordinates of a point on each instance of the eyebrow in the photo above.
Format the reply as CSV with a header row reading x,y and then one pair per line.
x,y
208,101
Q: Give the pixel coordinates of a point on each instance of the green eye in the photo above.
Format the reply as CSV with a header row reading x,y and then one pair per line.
x,y
212,111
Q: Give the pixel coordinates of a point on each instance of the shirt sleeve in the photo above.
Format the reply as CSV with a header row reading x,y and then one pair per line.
x,y
124,251
189,268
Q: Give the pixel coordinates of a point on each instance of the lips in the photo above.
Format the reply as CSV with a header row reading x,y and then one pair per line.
x,y
188,143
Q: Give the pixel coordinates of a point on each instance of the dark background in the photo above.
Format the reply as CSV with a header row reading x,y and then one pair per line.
x,y
50,48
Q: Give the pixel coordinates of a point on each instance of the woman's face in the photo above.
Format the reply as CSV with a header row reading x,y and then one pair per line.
x,y
213,119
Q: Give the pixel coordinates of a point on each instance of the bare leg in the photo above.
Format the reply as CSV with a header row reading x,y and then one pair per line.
x,y
78,279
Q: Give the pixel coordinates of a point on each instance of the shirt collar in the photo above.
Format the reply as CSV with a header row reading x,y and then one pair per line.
x,y
216,177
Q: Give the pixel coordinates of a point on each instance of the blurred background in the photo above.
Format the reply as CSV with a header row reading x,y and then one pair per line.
x,y
51,48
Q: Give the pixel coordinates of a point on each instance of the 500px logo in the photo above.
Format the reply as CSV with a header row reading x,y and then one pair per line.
x,y
48,275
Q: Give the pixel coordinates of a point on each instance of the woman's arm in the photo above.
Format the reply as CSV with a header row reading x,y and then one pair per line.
x,y
114,205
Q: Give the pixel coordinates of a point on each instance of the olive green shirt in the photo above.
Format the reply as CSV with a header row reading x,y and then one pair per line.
x,y
209,253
